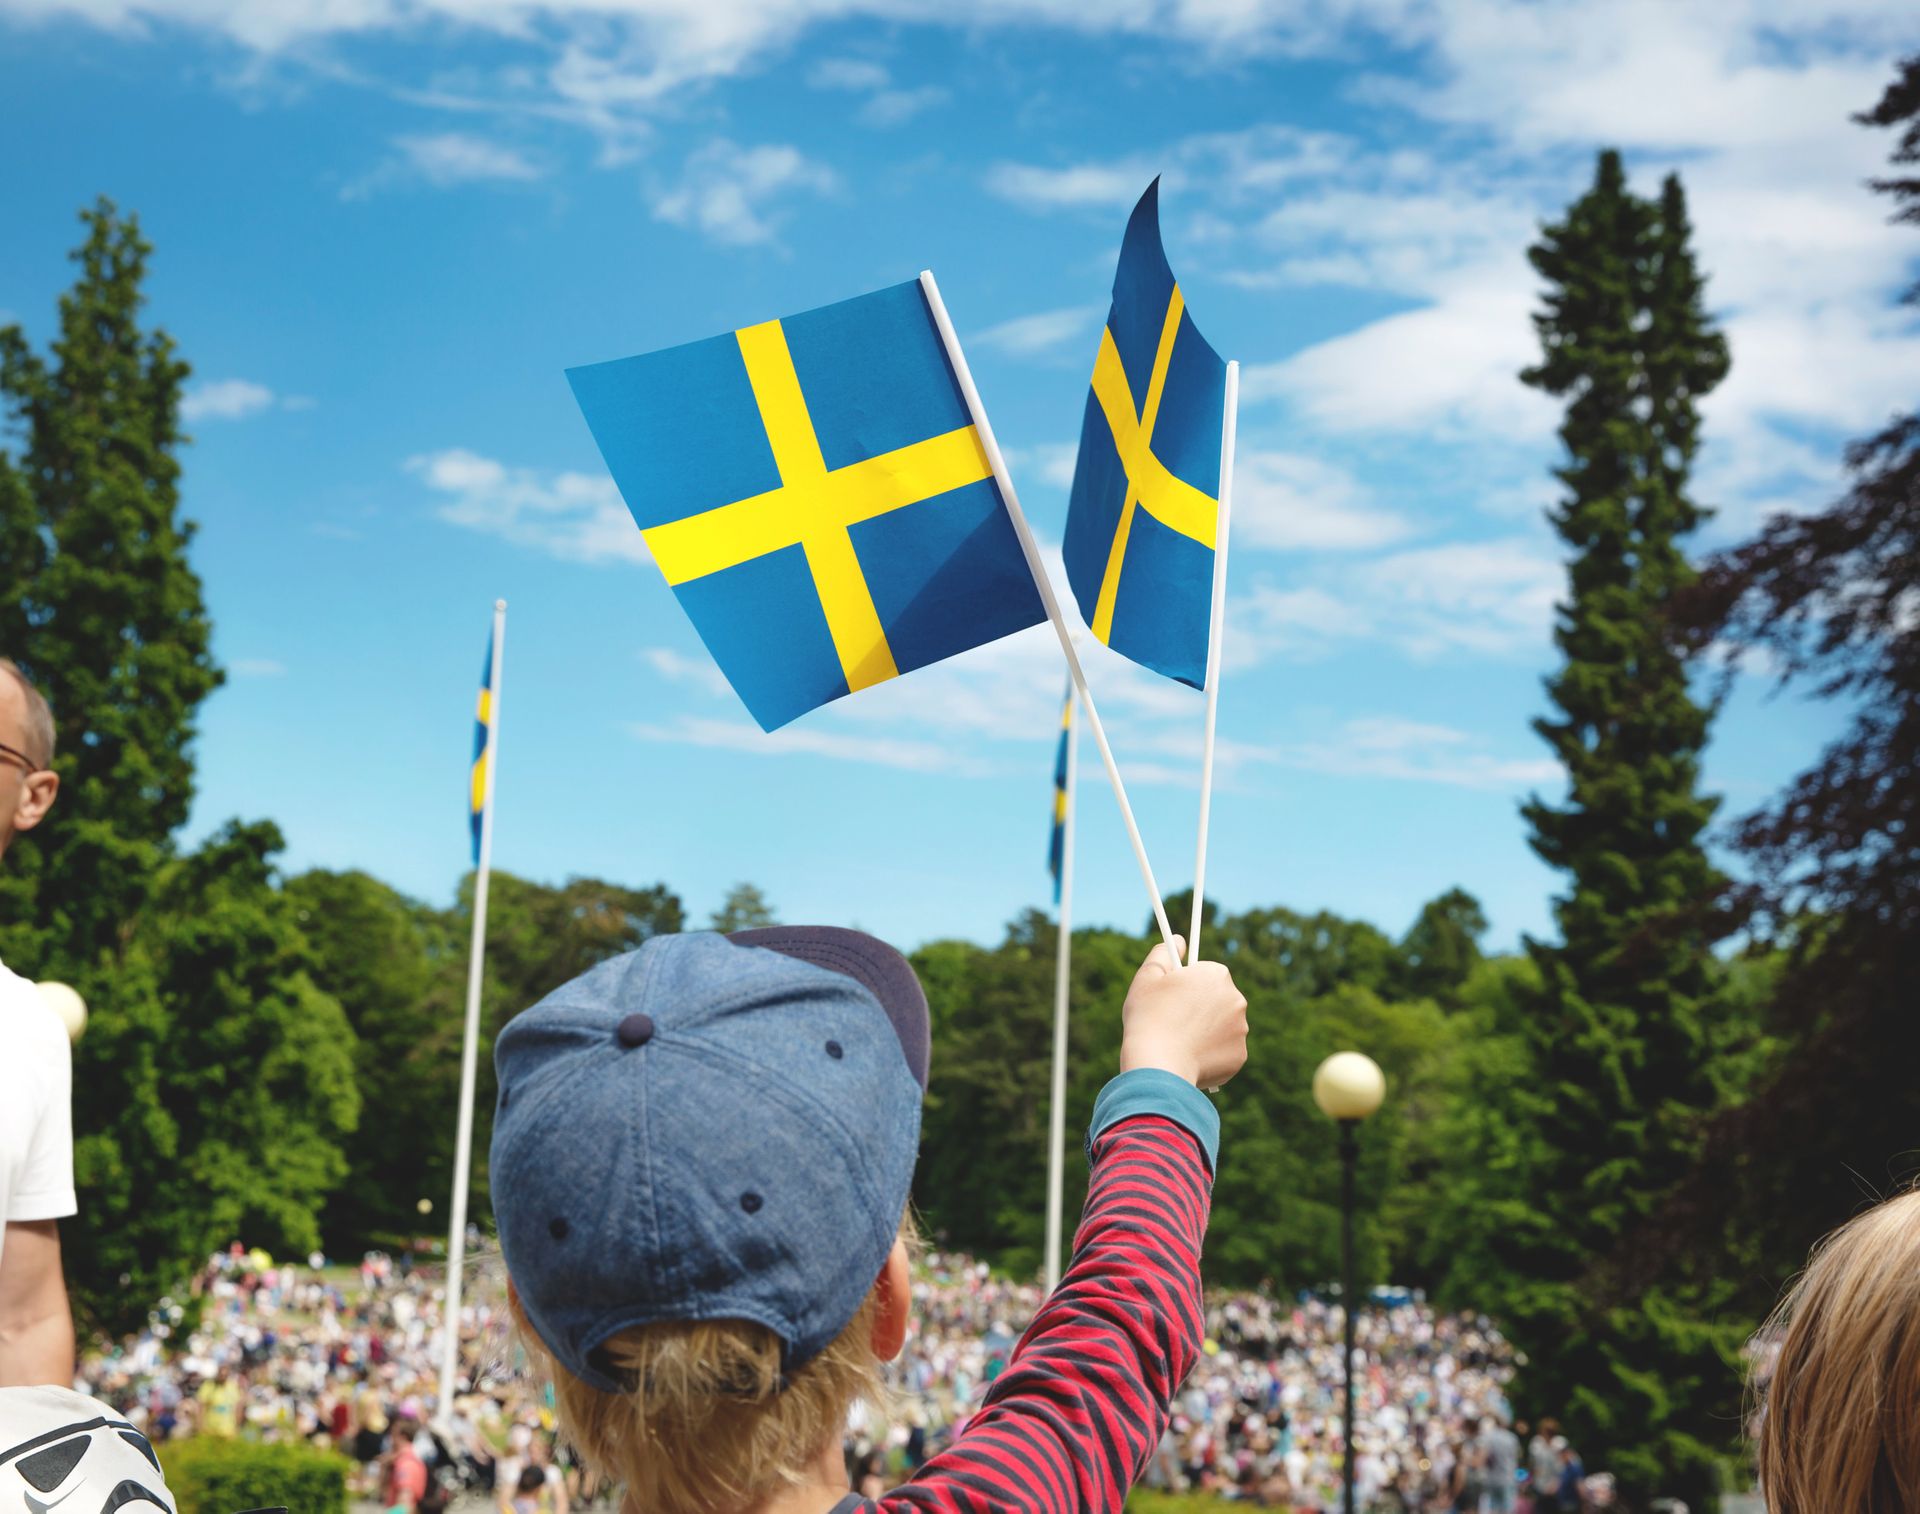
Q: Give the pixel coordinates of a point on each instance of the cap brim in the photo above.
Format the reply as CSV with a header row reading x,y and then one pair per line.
x,y
871,963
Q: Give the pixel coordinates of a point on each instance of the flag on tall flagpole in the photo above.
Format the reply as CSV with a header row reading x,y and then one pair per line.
x,y
1065,781
480,783
482,749
818,496
1057,847
1144,510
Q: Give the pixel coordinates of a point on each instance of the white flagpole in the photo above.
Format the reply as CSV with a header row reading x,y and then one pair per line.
x,y
1040,581
476,958
1057,1114
1228,425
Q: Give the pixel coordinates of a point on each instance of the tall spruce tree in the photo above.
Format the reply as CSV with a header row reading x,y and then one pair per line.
x,y
1618,1034
202,1011
103,607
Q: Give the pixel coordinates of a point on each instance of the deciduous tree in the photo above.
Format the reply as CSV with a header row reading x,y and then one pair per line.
x,y
1832,598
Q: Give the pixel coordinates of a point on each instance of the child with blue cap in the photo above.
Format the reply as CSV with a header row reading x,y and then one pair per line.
x,y
701,1161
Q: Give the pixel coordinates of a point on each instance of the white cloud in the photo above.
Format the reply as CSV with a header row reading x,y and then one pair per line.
x,y
1402,238
896,107
1749,99
1648,74
726,191
1237,170
453,157
855,74
740,736
1547,73
1286,500
1451,368
1820,364
1079,186
1387,746
1484,599
1748,470
1495,597
1053,462
702,672
885,105
445,160
643,50
225,400
576,516
1045,331
1284,207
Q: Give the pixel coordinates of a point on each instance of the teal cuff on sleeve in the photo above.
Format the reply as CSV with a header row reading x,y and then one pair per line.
x,y
1153,1090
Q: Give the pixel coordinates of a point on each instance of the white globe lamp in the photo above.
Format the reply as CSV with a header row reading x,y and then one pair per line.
x,y
1349,1086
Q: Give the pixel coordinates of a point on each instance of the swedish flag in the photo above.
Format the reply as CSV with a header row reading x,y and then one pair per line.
x,y
1145,505
1057,847
482,748
816,494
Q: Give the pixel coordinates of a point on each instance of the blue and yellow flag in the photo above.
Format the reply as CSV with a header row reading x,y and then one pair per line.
x,y
1140,526
1057,847
482,749
816,494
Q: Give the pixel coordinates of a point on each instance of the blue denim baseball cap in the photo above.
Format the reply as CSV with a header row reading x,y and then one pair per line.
x,y
707,1128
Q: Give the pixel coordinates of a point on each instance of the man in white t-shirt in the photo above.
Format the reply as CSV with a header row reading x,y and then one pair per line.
x,y
36,1088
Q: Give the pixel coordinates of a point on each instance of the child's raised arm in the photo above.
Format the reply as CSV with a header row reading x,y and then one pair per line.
x,y
1071,1423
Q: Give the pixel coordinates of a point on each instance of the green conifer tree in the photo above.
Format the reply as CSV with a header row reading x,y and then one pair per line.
x,y
203,1016
104,609
1619,1032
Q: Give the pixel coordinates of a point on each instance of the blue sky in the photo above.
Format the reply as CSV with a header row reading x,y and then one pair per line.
x,y
385,227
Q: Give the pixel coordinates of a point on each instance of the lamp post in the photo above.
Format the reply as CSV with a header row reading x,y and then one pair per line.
x,y
1348,1087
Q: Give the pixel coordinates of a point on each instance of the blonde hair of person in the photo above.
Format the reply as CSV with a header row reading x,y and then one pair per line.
x,y
708,1425
1841,1428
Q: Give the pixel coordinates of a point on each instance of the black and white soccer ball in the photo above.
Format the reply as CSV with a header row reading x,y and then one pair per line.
x,y
60,1450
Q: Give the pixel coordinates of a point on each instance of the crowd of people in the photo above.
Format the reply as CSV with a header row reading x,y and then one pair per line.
x,y
280,1351
273,1350
1259,1421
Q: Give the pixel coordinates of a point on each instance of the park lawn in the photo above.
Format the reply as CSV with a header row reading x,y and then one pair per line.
x,y
1150,1501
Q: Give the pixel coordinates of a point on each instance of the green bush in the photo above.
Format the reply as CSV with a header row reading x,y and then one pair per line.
x,y
211,1476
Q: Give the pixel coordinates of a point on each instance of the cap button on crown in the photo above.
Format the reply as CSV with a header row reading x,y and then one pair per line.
x,y
635,1030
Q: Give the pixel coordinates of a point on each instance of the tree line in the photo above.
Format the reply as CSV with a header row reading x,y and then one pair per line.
x,y
1618,1142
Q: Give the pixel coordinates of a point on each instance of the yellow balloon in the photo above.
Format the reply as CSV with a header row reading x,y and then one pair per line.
x,y
68,1005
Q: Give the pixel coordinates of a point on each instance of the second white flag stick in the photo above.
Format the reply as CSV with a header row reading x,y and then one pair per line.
x,y
1229,422
1047,598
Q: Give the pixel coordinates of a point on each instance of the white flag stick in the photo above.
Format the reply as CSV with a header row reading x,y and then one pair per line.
x,y
1227,427
463,1137
1041,582
1057,1112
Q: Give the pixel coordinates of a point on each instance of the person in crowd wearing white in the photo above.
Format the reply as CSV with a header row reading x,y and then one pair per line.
x,y
1500,1467
1543,1464
36,1087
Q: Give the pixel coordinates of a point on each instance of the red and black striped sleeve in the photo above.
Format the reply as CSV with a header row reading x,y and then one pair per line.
x,y
1070,1425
